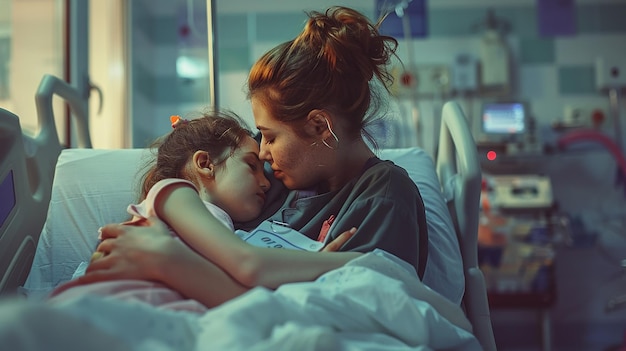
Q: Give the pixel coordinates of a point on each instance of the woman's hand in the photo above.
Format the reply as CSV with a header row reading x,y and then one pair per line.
x,y
338,242
145,250
131,250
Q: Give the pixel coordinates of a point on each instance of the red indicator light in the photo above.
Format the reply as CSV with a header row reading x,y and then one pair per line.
x,y
491,155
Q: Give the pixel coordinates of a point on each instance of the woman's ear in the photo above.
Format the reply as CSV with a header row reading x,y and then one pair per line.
x,y
202,163
318,124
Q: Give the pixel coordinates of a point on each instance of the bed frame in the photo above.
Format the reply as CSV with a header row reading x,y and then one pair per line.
x,y
459,173
33,159
27,165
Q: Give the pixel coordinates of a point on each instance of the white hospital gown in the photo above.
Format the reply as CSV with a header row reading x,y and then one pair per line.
x,y
146,208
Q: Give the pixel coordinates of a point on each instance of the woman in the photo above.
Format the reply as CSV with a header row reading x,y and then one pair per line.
x,y
311,98
211,162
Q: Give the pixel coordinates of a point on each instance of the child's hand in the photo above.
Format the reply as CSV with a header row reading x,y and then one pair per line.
x,y
338,242
140,222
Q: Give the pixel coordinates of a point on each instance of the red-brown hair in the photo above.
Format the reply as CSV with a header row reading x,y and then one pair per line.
x,y
330,64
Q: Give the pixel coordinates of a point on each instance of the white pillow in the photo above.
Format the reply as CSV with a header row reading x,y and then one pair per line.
x,y
92,187
444,268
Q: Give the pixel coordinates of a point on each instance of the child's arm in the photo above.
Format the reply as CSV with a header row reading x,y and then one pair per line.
x,y
181,208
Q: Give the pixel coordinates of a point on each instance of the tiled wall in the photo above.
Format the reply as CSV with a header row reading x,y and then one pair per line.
x,y
548,72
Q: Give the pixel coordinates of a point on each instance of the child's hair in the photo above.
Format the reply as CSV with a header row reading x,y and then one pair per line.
x,y
218,133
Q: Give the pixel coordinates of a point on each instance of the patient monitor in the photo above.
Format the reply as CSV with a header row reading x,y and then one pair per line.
x,y
504,122
506,129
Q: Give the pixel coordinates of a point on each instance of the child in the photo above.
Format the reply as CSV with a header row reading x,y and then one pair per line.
x,y
216,158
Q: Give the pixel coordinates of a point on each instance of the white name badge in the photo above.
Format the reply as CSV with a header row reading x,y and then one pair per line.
x,y
279,235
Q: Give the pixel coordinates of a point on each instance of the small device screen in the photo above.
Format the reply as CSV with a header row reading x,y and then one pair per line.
x,y
504,118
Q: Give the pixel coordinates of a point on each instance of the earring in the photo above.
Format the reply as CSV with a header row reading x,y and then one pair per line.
x,y
327,145
333,134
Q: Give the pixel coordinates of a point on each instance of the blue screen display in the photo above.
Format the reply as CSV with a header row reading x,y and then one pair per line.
x,y
504,118
414,10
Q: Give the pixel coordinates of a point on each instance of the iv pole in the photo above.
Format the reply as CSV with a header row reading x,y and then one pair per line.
x,y
614,102
398,6
212,51
406,30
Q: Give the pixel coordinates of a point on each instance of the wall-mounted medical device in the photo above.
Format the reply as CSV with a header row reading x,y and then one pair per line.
x,y
610,74
611,78
495,58
465,73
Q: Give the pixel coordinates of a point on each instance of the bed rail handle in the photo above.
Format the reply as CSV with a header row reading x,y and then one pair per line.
x,y
50,86
458,166
459,172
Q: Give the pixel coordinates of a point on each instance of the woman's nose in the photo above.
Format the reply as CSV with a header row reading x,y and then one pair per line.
x,y
264,154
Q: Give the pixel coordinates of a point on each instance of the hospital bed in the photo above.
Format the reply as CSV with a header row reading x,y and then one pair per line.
x,y
54,199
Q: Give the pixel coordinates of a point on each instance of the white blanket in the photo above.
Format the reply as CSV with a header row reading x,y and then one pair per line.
x,y
374,302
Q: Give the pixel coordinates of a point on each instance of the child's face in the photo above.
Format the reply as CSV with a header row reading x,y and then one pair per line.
x,y
239,186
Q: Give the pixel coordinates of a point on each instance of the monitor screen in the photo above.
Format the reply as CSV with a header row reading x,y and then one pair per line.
x,y
507,118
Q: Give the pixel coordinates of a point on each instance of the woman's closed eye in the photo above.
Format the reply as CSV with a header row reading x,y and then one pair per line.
x,y
266,140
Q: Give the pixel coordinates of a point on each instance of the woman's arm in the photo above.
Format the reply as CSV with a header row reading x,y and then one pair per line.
x,y
181,208
146,251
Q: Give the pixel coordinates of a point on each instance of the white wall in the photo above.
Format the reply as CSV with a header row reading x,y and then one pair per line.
x,y
109,127
36,49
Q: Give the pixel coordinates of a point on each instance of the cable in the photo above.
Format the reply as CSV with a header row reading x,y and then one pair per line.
x,y
191,21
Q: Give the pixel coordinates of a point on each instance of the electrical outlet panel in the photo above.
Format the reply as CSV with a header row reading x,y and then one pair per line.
x,y
421,80
433,79
610,74
465,73
583,116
